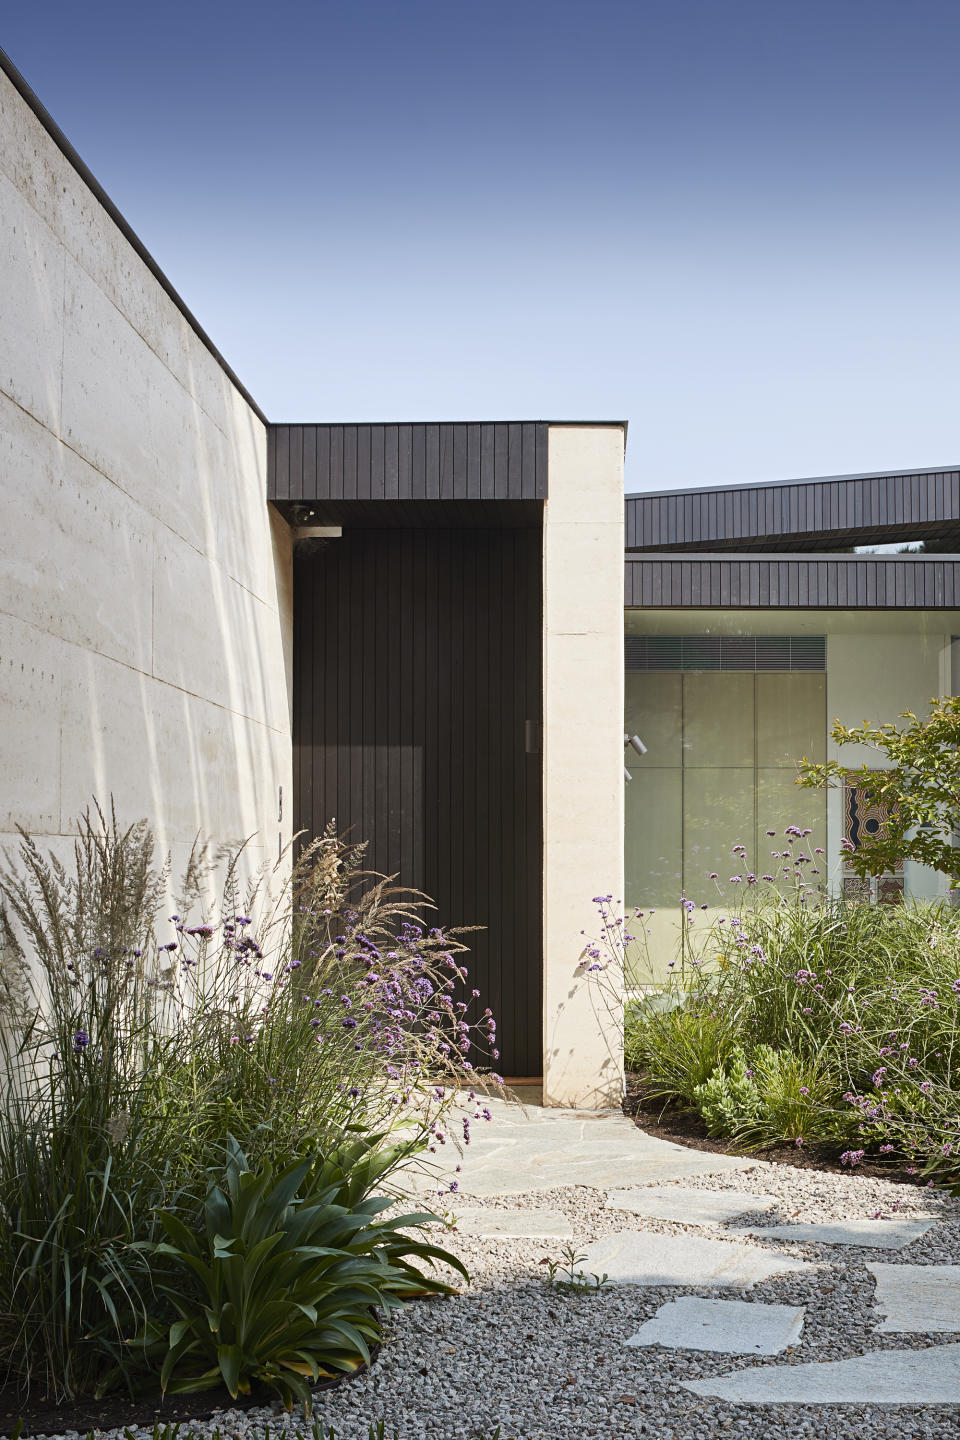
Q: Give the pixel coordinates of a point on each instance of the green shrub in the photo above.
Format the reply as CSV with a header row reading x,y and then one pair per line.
x,y
282,1285
847,1015
730,1100
769,1096
294,1015
677,1048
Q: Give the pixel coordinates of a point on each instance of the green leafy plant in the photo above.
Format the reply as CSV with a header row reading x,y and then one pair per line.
x,y
281,1286
730,1099
919,785
679,1046
298,1014
564,1274
808,1018
774,1095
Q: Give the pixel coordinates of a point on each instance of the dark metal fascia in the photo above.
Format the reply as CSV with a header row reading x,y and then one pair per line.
x,y
130,235
801,480
805,557
405,420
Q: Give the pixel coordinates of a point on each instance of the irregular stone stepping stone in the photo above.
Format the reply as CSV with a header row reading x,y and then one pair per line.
x,y
731,1327
636,1257
873,1234
515,1224
885,1377
688,1207
918,1298
522,1152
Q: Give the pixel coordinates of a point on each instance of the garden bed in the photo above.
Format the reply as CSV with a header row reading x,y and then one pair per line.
x,y
684,1126
118,1412
200,1132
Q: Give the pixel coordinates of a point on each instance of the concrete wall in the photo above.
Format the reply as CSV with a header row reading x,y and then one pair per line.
x,y
145,597
583,754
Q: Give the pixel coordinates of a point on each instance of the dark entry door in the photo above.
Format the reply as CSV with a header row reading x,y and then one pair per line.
x,y
417,683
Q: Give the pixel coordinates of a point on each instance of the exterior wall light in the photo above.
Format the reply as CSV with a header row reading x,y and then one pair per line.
x,y
638,745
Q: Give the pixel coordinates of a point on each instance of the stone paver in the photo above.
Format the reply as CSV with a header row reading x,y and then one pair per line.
x,y
688,1207
515,1224
886,1377
730,1327
872,1234
522,1151
918,1298
637,1257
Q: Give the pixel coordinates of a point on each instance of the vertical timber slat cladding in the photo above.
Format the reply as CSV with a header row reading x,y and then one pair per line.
x,y
431,439
281,474
476,461
378,442
271,455
820,514
473,462
418,462
417,667
856,582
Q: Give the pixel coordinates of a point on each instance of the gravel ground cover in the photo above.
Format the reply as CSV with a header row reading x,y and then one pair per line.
x,y
545,1364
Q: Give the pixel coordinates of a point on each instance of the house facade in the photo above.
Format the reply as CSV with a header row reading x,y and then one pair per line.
x,y
755,617
437,634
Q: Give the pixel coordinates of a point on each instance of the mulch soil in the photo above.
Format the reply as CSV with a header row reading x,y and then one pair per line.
x,y
685,1127
117,1411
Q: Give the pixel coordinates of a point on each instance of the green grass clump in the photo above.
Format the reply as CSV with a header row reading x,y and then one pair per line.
x,y
310,1025
808,1018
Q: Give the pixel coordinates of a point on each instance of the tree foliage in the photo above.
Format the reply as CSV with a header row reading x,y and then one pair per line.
x,y
919,784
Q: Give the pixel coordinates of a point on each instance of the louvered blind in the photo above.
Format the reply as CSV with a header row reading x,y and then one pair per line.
x,y
725,652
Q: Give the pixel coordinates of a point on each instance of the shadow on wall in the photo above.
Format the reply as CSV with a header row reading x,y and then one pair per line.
x,y
145,609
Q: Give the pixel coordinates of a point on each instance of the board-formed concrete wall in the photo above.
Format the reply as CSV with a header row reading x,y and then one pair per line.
x,y
582,757
145,586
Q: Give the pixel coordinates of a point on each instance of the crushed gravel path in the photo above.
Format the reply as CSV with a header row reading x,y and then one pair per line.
x,y
544,1364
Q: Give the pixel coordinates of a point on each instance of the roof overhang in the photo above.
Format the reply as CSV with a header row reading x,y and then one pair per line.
x,y
832,512
719,581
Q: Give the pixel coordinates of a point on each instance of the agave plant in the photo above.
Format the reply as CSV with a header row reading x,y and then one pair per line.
x,y
290,1277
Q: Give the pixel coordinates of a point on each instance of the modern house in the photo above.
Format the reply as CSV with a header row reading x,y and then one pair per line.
x,y
423,630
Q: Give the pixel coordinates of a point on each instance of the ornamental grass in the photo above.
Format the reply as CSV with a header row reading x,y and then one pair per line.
x,y
802,1017
313,1023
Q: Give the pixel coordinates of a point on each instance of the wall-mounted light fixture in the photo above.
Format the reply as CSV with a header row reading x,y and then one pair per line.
x,y
637,744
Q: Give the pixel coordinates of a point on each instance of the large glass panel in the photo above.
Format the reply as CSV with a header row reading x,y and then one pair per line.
x,y
717,814
718,718
782,802
728,741
653,865
791,718
653,711
653,853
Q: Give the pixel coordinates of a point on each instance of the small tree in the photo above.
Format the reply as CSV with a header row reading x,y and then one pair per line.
x,y
920,788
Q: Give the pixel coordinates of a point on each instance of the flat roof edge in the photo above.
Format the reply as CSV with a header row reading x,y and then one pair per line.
x,y
41,112
799,480
803,557
555,424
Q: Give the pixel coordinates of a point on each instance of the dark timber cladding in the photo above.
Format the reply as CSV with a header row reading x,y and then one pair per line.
x,y
822,514
477,461
417,672
829,582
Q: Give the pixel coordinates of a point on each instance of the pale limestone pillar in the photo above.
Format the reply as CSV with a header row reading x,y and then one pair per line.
x,y
582,754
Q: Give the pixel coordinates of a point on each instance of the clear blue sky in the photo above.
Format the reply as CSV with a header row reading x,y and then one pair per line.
x,y
732,222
